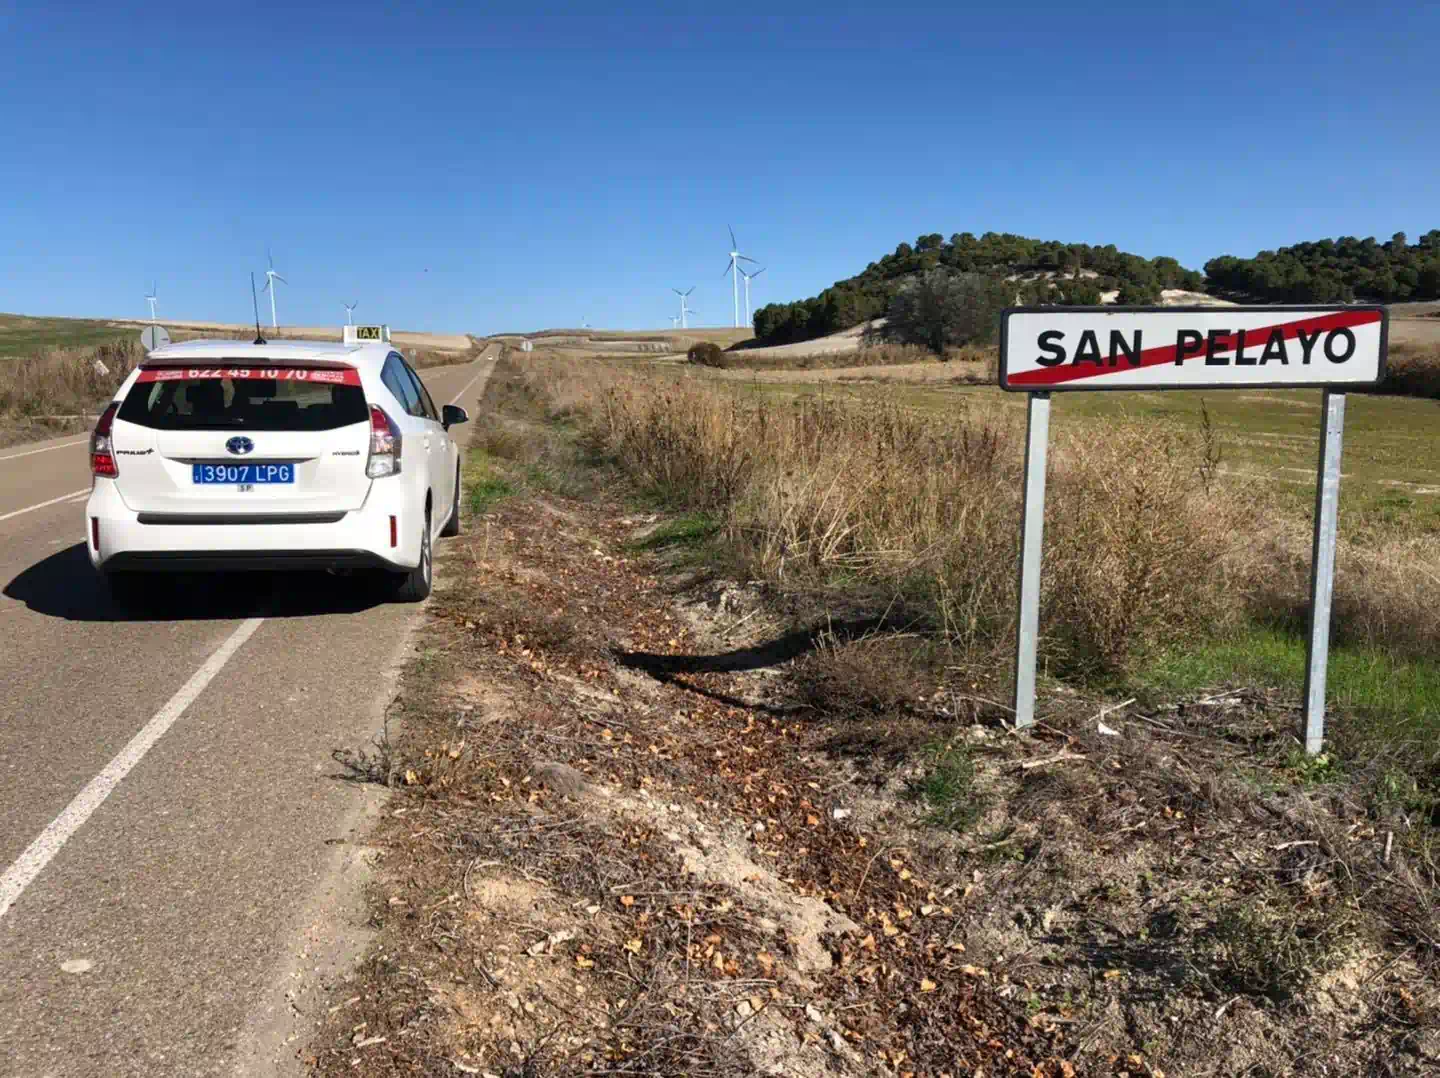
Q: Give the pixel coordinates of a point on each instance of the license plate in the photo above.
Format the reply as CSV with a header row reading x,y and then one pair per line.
x,y
243,474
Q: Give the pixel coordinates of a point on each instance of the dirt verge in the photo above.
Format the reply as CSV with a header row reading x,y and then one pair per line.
x,y
650,818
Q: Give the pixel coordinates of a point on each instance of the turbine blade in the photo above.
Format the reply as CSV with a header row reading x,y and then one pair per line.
x,y
281,279
266,286
733,244
758,272
747,258
727,267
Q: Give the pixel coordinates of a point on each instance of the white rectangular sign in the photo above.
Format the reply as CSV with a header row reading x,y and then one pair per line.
x,y
1052,349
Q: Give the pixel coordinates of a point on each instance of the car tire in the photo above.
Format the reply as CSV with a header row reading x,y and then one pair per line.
x,y
131,592
414,586
452,526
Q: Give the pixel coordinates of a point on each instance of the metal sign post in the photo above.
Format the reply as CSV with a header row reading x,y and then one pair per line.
x,y
1032,531
1053,349
1322,568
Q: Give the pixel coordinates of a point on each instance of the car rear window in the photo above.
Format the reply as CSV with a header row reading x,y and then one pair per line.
x,y
221,398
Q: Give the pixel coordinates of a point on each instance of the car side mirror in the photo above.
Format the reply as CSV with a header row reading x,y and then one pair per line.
x,y
452,414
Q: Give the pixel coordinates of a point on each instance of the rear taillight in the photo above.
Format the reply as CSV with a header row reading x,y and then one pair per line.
x,y
384,445
102,453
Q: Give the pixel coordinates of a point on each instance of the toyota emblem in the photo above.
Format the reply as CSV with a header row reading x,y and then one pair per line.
x,y
240,446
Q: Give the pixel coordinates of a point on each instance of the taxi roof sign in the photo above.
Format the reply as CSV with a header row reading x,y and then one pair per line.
x,y
366,334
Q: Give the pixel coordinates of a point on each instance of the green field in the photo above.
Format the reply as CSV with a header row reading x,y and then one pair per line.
x,y
24,335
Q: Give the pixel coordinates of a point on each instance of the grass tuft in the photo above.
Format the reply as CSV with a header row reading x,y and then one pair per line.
x,y
1271,947
948,788
485,487
687,531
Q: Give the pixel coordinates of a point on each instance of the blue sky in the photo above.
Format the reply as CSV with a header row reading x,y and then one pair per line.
x,y
456,169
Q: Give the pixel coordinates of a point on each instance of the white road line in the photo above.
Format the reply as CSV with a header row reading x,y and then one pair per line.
x,y
43,505
40,852
467,388
48,448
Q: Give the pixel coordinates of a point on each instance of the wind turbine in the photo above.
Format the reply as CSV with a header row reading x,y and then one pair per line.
x,y
748,278
684,310
152,298
734,270
350,309
270,278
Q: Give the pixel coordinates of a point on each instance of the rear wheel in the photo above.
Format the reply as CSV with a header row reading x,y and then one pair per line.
x,y
452,526
414,586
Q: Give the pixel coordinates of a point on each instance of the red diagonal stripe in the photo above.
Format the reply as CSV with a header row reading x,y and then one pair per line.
x,y
1151,357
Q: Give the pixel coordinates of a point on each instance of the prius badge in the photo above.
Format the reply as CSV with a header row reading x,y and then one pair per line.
x,y
240,446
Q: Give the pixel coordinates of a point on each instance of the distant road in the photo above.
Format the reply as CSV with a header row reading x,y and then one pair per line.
x,y
183,890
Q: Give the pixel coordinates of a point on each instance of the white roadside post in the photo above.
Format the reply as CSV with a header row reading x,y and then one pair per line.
x,y
1066,349
1032,532
1322,567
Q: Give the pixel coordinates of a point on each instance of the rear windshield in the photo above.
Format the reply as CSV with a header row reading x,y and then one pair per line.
x,y
245,399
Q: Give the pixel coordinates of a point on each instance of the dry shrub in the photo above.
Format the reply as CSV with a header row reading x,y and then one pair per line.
x,y
707,354
885,505
1272,947
689,446
878,498
888,504
865,678
1412,370
1141,550
65,381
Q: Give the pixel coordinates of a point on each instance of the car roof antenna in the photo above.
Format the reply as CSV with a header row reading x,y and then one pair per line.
x,y
255,301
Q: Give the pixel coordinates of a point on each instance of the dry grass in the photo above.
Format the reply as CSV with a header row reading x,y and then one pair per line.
x,y
64,381
895,508
1387,586
1145,547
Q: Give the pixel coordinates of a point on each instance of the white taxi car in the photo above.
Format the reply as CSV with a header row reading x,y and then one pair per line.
x,y
222,455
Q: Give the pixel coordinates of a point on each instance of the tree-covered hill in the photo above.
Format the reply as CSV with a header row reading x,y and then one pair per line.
x,y
1329,271
1045,271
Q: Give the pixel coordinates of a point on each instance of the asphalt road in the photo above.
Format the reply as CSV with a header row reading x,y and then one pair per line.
x,y
190,888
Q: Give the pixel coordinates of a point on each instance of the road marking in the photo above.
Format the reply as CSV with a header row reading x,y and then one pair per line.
x,y
48,448
40,852
467,387
43,505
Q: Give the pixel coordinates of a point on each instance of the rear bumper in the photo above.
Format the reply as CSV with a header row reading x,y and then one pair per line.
x,y
360,539
231,561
